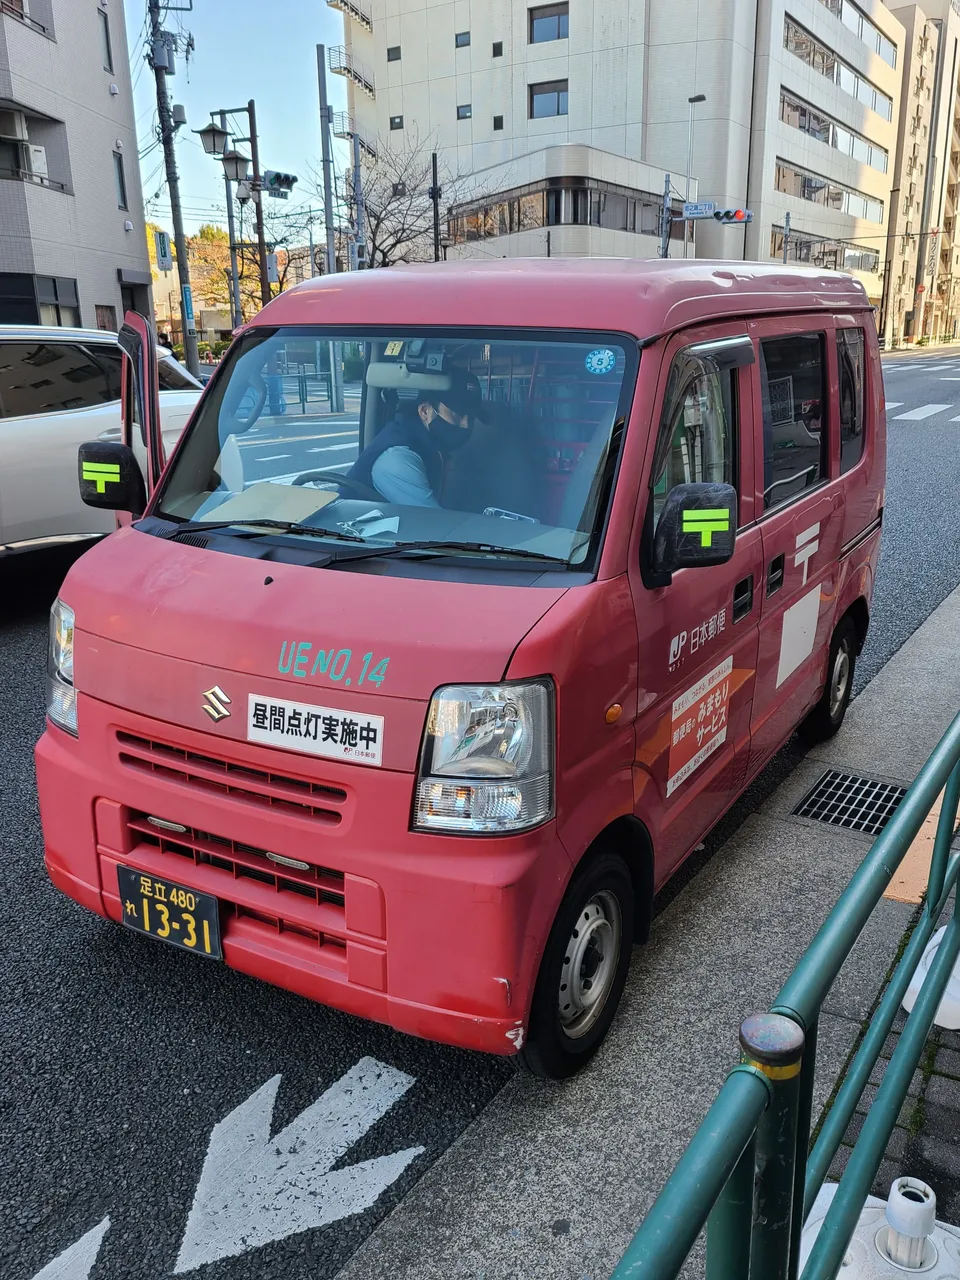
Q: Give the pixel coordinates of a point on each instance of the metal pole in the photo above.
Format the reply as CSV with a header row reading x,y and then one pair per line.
x,y
686,198
548,243
889,262
258,203
313,270
358,200
191,355
236,312
786,235
665,219
435,197
921,272
774,1045
336,363
730,1223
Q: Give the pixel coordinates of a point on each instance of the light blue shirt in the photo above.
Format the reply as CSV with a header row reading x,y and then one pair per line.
x,y
399,476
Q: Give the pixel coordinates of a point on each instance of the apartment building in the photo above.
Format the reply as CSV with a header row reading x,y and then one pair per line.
x,y
564,118
72,243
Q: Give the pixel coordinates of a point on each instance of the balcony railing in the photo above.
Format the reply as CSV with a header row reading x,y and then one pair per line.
x,y
37,179
343,127
343,63
16,10
354,9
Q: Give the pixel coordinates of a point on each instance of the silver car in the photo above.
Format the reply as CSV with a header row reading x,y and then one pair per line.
x,y
59,388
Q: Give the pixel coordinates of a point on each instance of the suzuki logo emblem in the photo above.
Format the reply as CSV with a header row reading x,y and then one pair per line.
x,y
215,703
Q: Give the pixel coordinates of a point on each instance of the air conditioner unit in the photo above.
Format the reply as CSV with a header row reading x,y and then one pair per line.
x,y
13,124
38,160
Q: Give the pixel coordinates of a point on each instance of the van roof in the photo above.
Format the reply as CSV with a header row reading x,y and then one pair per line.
x,y
640,296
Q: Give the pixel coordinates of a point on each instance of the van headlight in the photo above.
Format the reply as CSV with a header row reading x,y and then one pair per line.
x,y
61,695
487,760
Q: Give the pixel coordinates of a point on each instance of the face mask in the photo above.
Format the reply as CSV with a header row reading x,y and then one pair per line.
x,y
447,436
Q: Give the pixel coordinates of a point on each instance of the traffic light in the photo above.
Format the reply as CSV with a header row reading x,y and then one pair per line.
x,y
733,217
279,185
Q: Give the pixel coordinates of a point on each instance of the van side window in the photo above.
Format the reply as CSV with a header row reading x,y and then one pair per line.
x,y
851,360
37,378
793,395
699,423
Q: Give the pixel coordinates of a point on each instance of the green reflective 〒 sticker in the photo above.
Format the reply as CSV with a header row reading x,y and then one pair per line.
x,y
707,522
101,474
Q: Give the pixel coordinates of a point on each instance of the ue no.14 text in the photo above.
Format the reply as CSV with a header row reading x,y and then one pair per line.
x,y
298,657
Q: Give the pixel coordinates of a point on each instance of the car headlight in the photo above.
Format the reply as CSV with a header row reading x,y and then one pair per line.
x,y
61,695
487,760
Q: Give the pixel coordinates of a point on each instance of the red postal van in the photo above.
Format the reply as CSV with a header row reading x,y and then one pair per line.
x,y
420,733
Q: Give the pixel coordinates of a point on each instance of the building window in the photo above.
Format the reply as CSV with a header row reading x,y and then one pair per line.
x,y
497,123
794,181
106,50
548,99
121,180
107,318
549,22
57,298
464,111
393,53
810,120
396,122
809,50
461,39
498,48
832,255
861,26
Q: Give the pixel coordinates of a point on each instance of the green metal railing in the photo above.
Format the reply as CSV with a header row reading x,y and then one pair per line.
x,y
748,1174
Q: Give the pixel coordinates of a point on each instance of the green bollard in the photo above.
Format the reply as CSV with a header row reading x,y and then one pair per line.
x,y
774,1045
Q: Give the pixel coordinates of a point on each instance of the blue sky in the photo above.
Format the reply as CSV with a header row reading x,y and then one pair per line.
x,y
261,49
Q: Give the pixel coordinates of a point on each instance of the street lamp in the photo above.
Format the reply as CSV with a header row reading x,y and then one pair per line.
x,y
214,139
236,166
697,97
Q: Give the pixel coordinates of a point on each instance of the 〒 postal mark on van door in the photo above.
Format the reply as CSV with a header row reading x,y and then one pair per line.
x,y
699,723
799,633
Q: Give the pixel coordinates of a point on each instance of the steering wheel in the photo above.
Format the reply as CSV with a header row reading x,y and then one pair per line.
x,y
363,491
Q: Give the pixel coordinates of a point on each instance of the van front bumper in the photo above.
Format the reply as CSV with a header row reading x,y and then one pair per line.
x,y
436,936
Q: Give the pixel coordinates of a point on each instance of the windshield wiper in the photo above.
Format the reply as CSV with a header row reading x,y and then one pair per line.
x,y
442,548
256,524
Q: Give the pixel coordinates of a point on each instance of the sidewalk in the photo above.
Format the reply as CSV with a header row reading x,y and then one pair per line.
x,y
550,1182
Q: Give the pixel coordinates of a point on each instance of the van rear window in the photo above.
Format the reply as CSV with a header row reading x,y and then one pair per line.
x,y
850,361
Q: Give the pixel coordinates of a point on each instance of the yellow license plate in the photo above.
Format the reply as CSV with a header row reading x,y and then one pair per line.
x,y
170,912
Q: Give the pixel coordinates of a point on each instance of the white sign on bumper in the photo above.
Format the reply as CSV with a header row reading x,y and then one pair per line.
x,y
318,731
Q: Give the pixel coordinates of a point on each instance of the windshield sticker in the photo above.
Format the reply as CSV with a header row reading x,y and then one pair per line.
x,y
699,724
393,348
319,731
298,658
601,360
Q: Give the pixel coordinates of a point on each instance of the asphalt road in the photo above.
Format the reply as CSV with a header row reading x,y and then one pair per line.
x,y
118,1057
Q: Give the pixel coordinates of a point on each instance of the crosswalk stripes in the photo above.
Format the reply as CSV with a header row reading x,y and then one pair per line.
x,y
921,412
893,404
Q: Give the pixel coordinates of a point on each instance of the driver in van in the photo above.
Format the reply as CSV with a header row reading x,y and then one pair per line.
x,y
404,463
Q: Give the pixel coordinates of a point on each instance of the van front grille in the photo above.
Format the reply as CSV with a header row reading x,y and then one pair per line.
x,y
279,792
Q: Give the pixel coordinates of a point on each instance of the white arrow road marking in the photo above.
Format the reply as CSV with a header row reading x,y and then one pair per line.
x,y
254,1188
76,1263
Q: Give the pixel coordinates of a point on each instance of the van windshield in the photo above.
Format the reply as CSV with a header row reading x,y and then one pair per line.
x,y
499,438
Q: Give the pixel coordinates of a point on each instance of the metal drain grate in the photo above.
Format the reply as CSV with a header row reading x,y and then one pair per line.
x,y
846,800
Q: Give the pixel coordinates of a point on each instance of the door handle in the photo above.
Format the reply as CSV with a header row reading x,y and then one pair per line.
x,y
775,575
743,598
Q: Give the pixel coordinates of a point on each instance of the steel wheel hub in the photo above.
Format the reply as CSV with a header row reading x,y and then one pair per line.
x,y
589,964
839,680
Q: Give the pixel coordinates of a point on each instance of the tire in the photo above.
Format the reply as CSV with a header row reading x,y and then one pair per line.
x,y
827,716
590,944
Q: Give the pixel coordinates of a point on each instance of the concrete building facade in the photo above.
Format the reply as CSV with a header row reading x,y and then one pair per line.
x,y
72,241
589,101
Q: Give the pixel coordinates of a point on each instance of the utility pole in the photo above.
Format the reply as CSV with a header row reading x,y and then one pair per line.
x,y
358,201
159,64
666,219
919,297
236,311
336,362
786,235
435,197
258,203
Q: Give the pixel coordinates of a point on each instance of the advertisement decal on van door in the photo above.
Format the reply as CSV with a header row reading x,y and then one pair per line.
x,y
699,723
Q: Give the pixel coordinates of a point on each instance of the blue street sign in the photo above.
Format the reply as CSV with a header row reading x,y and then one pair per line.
x,y
188,309
699,209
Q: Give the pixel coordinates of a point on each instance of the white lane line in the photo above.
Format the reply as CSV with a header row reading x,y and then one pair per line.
x,y
254,1189
76,1261
330,448
893,404
955,419
273,457
924,411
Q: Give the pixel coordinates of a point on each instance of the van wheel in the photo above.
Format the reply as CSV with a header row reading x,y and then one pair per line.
x,y
583,970
827,716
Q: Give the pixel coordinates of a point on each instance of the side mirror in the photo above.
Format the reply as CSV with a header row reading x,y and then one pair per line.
x,y
110,477
697,527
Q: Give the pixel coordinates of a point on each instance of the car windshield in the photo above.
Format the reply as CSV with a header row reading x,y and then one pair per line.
x,y
491,442
173,376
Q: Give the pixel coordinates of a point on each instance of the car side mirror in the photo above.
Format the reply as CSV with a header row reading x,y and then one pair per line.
x,y
110,477
697,527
